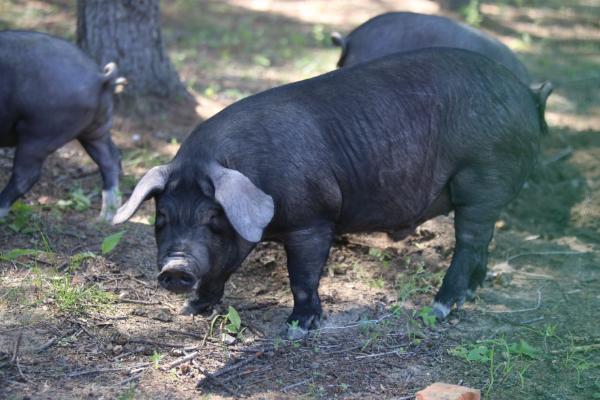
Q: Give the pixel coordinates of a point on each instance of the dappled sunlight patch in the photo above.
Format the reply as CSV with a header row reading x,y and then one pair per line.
x,y
347,13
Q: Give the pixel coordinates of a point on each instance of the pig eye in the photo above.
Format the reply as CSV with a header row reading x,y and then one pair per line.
x,y
216,223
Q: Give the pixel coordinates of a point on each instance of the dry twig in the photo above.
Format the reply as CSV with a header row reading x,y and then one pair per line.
x,y
537,306
288,387
180,361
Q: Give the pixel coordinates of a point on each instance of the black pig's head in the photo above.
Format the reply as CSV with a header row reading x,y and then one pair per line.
x,y
205,225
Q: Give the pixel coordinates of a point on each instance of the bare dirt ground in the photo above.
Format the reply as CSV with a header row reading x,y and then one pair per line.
x,y
77,322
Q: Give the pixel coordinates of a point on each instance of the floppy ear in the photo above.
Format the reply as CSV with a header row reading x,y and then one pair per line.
x,y
248,208
154,181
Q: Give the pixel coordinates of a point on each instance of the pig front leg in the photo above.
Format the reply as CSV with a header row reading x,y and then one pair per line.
x,y
307,251
106,155
468,267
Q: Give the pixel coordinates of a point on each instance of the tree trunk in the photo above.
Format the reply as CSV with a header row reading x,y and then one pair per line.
x,y
128,32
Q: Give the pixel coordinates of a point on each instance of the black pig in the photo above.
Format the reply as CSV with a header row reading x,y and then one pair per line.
x,y
404,31
382,146
51,93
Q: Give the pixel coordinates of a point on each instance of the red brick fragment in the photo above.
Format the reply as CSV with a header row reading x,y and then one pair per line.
x,y
446,391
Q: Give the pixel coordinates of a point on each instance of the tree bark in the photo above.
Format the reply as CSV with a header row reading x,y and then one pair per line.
x,y
128,32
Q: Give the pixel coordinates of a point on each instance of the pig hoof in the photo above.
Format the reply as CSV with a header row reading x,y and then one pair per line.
x,y
4,212
440,311
196,307
470,295
111,200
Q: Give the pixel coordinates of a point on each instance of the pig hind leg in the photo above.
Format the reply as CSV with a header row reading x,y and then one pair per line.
x,y
477,197
106,155
27,167
307,251
35,141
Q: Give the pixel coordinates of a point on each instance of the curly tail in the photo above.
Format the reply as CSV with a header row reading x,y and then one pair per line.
x,y
110,76
340,41
541,92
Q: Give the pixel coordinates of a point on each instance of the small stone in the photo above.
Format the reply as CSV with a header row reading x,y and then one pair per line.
x,y
260,291
119,338
228,339
500,224
184,369
43,200
446,391
270,265
176,352
339,269
453,321
139,312
118,349
163,315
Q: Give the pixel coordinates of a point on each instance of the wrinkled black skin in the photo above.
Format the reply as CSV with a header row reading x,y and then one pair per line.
x,y
382,146
404,31
51,93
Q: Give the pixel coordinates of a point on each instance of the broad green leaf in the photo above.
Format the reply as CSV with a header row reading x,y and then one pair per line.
x,y
110,242
16,253
234,318
479,353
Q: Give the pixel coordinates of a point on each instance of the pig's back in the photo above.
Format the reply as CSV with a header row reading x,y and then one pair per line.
x,y
404,31
388,133
44,72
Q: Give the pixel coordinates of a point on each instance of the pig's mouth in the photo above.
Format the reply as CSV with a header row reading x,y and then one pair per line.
x,y
177,275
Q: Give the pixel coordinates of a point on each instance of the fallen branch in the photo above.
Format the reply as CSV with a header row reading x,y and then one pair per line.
x,y
16,348
547,253
52,341
213,378
537,306
238,364
586,348
361,323
21,371
396,352
153,343
146,303
180,361
285,389
100,370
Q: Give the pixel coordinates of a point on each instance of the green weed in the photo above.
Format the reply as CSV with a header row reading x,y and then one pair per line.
x,y
230,323
111,241
22,218
77,259
128,394
504,359
74,299
155,359
427,317
78,200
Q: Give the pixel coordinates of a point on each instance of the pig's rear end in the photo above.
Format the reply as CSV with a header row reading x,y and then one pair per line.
x,y
51,93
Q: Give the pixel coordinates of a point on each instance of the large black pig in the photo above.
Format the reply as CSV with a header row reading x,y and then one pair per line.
x,y
382,146
405,31
51,93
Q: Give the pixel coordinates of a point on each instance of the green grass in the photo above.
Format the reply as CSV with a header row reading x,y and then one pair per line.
x,y
77,299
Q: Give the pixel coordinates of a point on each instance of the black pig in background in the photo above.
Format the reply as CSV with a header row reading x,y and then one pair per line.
x,y
51,93
405,31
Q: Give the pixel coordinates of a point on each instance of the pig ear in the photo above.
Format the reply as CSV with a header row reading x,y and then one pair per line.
x,y
248,208
154,181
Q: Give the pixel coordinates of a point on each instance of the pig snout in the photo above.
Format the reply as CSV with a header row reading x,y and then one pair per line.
x,y
177,275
